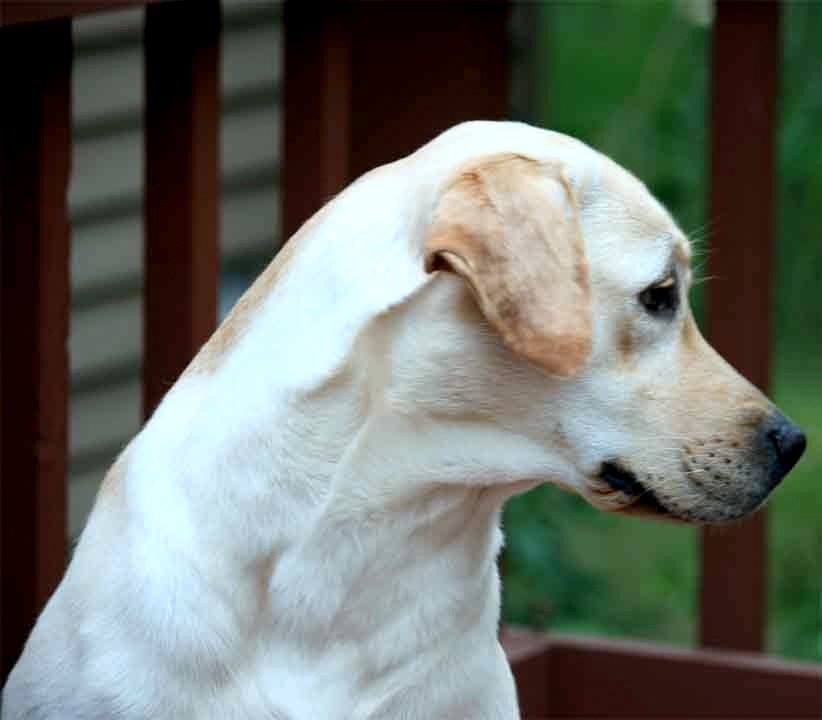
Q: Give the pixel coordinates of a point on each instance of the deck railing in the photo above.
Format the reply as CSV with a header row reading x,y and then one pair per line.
x,y
344,113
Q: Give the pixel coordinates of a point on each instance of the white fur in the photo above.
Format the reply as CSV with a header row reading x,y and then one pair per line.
x,y
311,531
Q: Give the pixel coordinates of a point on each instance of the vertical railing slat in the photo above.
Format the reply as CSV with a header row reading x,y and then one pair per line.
x,y
317,99
744,72
182,188
419,68
367,83
35,156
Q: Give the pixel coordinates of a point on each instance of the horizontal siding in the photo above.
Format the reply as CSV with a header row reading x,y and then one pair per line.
x,y
108,68
107,83
108,262
105,336
83,490
105,200
99,421
108,168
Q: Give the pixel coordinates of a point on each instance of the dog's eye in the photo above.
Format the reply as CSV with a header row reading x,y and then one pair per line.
x,y
661,299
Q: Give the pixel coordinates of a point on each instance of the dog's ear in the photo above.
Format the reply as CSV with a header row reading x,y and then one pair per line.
x,y
509,225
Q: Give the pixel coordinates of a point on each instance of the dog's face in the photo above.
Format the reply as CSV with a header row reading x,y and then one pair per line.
x,y
586,283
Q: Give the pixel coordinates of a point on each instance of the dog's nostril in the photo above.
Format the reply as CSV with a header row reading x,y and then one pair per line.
x,y
788,443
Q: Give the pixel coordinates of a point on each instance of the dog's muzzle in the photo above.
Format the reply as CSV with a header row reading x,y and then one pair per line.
x,y
774,450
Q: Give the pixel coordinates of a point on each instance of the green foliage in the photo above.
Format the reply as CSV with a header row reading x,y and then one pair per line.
x,y
630,78
570,567
796,521
799,310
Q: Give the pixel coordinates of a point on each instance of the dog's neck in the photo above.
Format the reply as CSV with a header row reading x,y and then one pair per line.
x,y
320,549
312,514
323,484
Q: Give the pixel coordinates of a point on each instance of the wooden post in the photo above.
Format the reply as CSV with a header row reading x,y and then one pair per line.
x,y
35,153
182,188
317,98
367,83
439,64
744,72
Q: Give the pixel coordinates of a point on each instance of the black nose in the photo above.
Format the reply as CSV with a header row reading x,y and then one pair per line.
x,y
786,442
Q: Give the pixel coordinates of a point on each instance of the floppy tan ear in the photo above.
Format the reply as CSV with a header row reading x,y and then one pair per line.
x,y
509,225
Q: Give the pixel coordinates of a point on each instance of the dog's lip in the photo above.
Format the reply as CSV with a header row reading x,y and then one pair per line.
x,y
644,499
648,502
620,478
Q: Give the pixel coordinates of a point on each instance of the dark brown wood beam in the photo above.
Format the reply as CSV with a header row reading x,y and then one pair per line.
x,y
591,678
743,120
14,12
182,188
529,653
35,156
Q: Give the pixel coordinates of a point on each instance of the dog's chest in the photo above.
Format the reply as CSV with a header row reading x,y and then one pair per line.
x,y
291,684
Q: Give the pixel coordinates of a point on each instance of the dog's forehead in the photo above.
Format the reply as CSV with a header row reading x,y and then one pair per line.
x,y
629,233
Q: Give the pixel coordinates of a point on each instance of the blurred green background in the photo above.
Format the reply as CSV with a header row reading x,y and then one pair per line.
x,y
630,77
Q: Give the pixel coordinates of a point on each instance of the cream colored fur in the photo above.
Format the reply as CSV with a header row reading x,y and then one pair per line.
x,y
308,526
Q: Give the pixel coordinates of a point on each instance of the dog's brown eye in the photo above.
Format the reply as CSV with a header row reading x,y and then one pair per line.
x,y
662,298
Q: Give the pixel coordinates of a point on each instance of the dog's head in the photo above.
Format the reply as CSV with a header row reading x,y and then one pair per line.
x,y
588,347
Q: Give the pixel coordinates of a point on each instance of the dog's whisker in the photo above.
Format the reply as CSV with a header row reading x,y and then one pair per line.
x,y
705,226
704,279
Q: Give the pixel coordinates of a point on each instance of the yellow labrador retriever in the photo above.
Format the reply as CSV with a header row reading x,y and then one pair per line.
x,y
307,527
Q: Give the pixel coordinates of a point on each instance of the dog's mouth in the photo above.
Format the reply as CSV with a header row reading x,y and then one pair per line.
x,y
643,500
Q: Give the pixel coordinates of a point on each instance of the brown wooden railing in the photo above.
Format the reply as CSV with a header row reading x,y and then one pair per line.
x,y
35,158
364,83
182,44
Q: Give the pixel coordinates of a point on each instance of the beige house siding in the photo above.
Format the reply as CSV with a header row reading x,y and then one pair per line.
x,y
106,204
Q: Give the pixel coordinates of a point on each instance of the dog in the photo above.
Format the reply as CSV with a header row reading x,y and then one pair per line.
x,y
308,525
